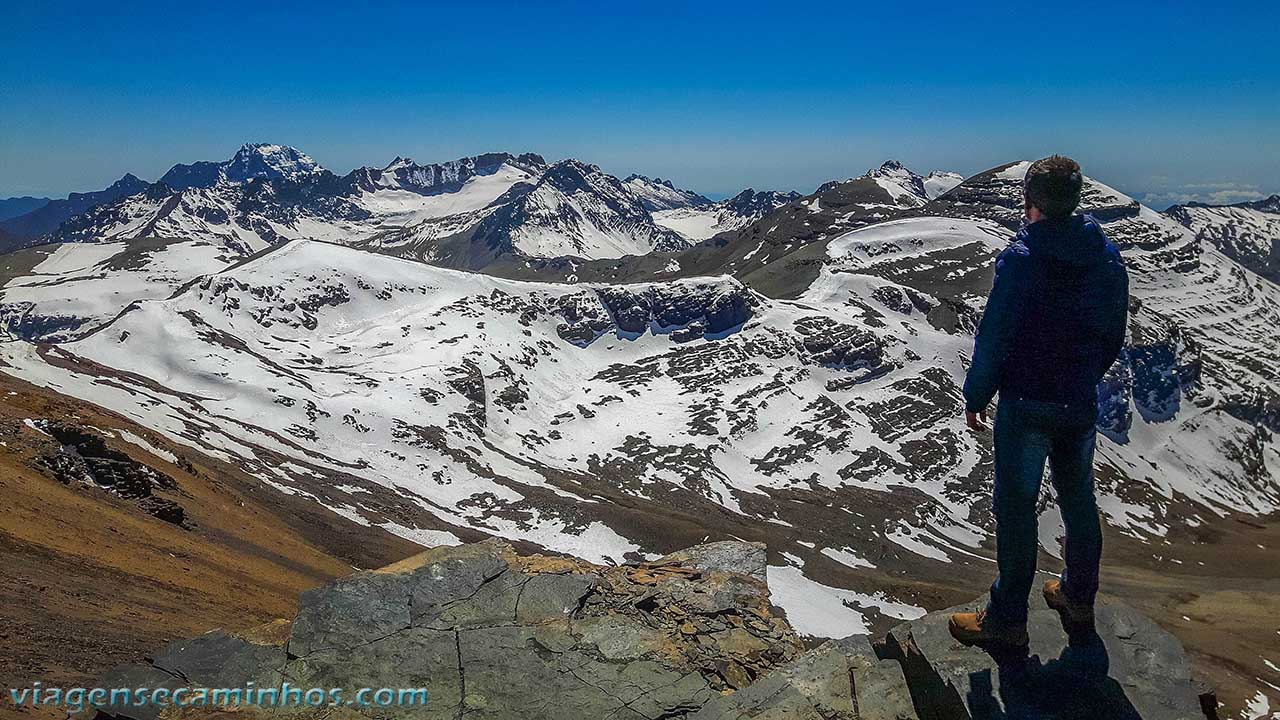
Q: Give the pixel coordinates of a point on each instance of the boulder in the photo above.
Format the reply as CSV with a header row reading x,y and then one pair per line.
x,y
1129,669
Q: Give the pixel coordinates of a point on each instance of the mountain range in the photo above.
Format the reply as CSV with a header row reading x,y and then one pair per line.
x,y
25,229
464,210
615,369
15,206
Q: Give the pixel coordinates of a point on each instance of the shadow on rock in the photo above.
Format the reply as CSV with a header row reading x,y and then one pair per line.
x,y
1130,668
1074,685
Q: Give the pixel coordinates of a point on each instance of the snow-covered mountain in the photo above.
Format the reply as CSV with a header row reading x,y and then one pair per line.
x,y
658,194
939,182
907,188
252,161
779,249
572,210
699,222
470,213
257,211
613,421
265,194
453,177
877,195
57,292
576,209
1248,232
462,212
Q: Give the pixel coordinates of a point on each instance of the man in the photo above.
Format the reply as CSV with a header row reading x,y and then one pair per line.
x,y
1054,323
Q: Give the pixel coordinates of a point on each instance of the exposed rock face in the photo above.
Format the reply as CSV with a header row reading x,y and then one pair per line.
x,y
691,635
692,311
436,178
1129,669
84,457
728,555
494,635
752,204
1248,232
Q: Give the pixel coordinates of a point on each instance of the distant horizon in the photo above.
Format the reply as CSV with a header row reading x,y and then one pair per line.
x,y
1226,192
1168,102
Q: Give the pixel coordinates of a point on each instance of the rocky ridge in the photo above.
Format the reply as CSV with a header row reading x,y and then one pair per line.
x,y
492,634
1247,232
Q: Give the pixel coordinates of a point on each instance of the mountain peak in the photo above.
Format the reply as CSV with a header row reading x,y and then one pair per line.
x,y
574,165
903,185
251,161
570,175
266,160
752,203
645,178
129,181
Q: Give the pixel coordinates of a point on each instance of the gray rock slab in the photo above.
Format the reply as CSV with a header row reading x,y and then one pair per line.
x,y
815,686
410,658
133,677
552,597
515,671
1130,669
879,687
350,612
748,558
219,660
455,575
493,603
493,637
618,638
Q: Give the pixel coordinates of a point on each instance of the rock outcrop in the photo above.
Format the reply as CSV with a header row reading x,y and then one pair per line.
x,y
1128,669
490,634
83,457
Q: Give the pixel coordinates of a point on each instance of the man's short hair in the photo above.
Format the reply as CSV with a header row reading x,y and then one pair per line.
x,y
1053,185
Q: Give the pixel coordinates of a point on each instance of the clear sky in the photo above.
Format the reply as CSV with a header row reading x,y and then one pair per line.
x,y
1160,99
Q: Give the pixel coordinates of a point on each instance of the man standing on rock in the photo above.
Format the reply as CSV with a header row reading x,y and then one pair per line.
x,y
1054,323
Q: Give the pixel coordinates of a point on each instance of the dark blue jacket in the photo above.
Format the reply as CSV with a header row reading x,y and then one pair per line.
x,y
1056,317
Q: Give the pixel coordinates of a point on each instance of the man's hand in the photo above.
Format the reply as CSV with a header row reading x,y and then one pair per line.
x,y
976,420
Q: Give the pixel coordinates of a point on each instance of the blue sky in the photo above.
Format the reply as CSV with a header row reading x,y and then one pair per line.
x,y
1169,99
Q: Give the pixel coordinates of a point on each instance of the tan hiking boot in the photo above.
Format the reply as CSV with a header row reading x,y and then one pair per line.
x,y
980,630
1076,617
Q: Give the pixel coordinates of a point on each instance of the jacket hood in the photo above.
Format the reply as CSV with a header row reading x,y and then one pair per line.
x,y
1077,240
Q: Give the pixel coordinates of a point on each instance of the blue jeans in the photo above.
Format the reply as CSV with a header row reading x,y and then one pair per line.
x,y
1027,433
